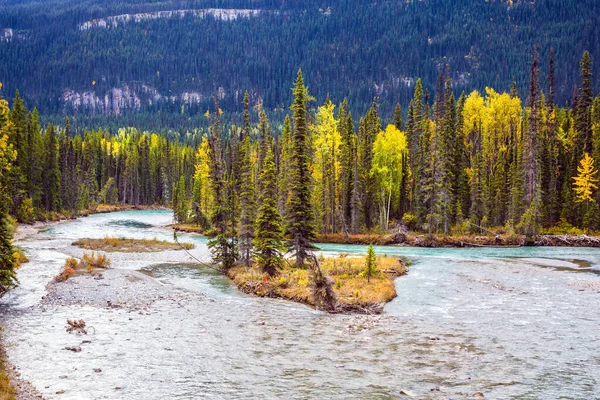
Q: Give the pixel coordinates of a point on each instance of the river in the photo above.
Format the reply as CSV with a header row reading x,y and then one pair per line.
x,y
512,323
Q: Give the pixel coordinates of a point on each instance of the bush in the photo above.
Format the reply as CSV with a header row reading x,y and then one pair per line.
x,y
68,271
410,220
19,257
25,211
95,261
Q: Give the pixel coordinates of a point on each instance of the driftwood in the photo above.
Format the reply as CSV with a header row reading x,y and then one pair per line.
x,y
76,326
567,240
322,288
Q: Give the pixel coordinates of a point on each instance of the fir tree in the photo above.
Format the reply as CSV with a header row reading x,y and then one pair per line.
x,y
370,264
268,243
247,203
51,172
397,119
180,208
300,225
530,220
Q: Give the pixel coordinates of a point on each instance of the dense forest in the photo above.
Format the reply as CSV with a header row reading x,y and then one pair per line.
x,y
162,73
458,163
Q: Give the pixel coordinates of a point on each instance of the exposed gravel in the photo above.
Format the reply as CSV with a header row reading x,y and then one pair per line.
x,y
114,288
25,390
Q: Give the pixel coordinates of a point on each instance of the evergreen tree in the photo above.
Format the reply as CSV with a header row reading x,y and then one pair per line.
x,y
247,203
51,172
530,220
180,208
397,119
370,264
285,159
583,109
300,225
268,243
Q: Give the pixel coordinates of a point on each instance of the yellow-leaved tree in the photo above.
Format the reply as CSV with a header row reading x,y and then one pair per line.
x,y
389,151
586,180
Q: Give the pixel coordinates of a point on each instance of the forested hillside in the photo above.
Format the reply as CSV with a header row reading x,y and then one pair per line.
x,y
155,71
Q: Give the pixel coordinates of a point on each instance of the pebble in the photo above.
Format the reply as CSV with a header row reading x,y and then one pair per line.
x,y
97,370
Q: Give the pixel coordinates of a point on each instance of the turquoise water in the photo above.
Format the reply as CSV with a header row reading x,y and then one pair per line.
x,y
518,323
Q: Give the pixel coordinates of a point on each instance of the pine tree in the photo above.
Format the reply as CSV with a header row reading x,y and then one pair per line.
x,y
347,159
247,203
180,208
51,172
285,159
370,264
221,244
530,220
268,244
300,225
397,119
583,109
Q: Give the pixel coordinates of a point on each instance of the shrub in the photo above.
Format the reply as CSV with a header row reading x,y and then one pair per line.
x,y
410,220
68,270
95,261
19,257
25,211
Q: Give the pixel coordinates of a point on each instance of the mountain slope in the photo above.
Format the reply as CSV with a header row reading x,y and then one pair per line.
x,y
175,63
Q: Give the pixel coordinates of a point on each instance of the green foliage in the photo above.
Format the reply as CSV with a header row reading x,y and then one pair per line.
x,y
371,268
410,220
7,262
268,243
300,225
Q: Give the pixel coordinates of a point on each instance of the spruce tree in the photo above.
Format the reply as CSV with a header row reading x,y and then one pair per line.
x,y
180,209
51,172
268,243
530,220
370,264
300,224
247,203
397,119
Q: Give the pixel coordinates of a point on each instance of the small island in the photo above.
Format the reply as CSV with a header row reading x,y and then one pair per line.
x,y
124,245
360,284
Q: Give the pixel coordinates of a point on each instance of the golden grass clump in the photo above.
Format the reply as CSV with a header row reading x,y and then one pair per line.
x,y
124,245
89,263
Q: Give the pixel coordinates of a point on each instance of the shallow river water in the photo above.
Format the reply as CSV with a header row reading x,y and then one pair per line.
x,y
514,323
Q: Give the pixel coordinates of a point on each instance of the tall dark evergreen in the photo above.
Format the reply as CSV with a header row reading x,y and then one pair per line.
x,y
269,241
300,224
531,163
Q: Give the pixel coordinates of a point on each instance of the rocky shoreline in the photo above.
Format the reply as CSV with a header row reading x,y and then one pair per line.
x,y
23,388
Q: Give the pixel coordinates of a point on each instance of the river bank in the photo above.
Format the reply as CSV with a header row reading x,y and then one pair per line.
x,y
12,386
418,239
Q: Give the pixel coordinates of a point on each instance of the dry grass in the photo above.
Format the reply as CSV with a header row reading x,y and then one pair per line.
x,y
123,245
351,287
90,263
366,238
188,228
